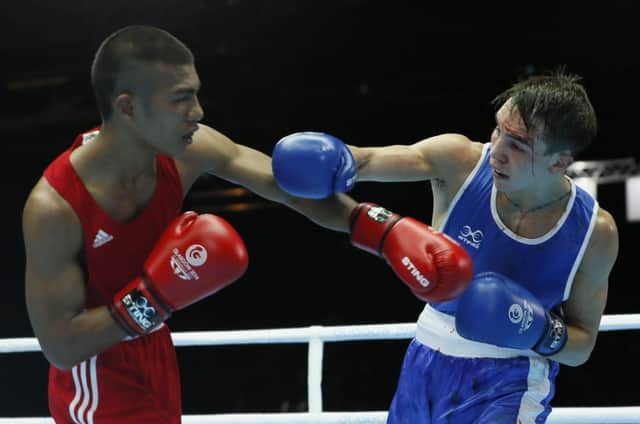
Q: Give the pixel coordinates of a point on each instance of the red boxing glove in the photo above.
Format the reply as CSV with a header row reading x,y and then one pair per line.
x,y
434,266
196,256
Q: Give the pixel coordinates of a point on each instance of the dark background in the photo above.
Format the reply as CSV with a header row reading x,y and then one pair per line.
x,y
372,73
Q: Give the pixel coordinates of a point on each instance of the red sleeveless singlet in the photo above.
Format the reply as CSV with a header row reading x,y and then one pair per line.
x,y
136,380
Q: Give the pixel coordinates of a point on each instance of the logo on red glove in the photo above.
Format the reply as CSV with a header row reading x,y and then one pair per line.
x,y
421,279
196,255
140,310
379,214
182,265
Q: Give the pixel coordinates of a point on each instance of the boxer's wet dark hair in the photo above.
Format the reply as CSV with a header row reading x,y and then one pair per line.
x,y
139,43
556,108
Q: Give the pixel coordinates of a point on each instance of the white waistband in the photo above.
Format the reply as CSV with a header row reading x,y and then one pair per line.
x,y
438,331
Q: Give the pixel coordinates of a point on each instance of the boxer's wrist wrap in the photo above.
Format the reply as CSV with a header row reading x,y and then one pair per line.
x,y
370,225
555,338
137,309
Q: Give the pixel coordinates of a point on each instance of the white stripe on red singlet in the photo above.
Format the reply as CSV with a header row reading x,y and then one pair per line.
x,y
85,382
76,398
94,389
85,392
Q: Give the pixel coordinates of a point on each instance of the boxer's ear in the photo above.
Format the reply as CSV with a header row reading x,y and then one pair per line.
x,y
562,161
123,104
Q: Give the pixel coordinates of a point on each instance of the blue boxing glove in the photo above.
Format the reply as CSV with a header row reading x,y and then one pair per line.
x,y
313,165
498,311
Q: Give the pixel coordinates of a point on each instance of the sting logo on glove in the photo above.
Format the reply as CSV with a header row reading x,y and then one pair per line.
x,y
188,243
421,279
140,310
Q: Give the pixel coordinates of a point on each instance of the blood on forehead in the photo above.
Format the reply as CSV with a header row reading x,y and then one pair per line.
x,y
508,117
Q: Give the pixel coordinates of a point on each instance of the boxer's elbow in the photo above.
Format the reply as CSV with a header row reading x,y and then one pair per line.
x,y
62,353
60,358
62,365
576,359
578,349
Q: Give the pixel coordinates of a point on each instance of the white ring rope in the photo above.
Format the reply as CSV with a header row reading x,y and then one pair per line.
x,y
315,336
305,334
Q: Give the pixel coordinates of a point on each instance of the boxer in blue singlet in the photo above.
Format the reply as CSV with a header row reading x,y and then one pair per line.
x,y
542,251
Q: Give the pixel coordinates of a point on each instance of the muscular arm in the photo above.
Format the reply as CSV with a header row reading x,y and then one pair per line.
x,y
588,297
215,153
438,157
55,286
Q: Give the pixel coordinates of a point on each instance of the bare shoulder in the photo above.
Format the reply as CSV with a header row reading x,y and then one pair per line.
x,y
602,251
209,151
210,147
49,223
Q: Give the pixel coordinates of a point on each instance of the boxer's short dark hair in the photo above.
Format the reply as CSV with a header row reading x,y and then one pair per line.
x,y
133,43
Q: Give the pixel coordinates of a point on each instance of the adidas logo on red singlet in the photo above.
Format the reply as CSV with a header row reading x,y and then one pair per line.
x,y
102,238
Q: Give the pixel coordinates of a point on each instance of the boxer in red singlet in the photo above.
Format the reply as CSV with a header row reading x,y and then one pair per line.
x,y
107,212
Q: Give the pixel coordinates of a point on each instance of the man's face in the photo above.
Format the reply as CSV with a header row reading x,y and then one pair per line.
x,y
167,106
518,155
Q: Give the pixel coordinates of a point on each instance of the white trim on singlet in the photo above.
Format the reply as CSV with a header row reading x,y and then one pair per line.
x,y
538,240
580,255
464,186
